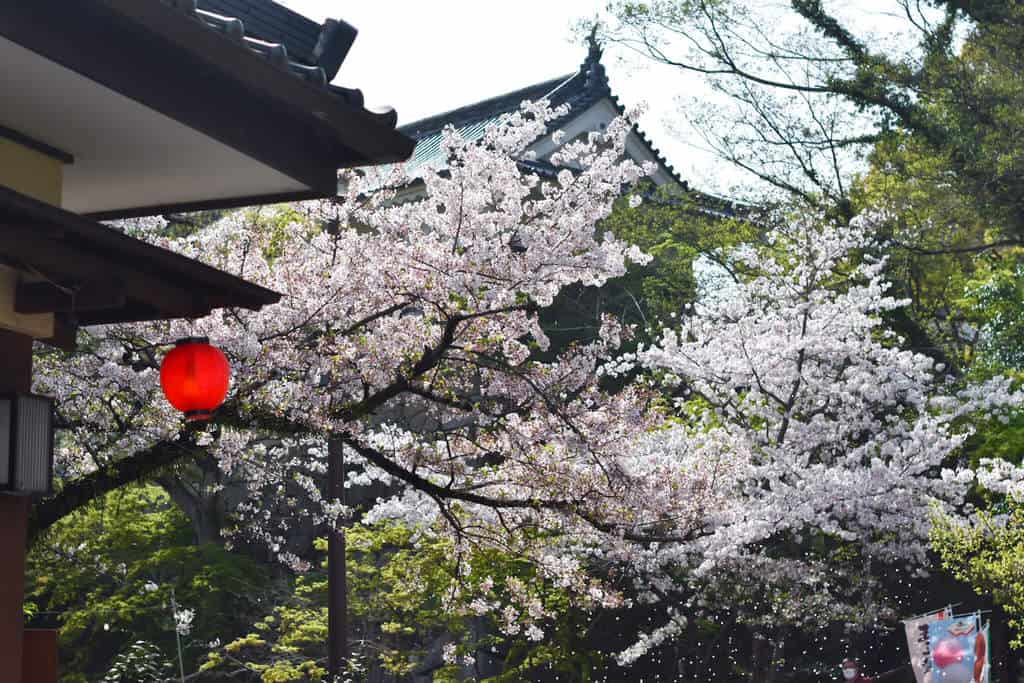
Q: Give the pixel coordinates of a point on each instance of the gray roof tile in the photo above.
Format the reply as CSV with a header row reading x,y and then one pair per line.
x,y
267,20
282,37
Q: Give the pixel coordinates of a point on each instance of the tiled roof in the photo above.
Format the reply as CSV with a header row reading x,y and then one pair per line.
x,y
286,39
267,20
490,108
428,148
580,90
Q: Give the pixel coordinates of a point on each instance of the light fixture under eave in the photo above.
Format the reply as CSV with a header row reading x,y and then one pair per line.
x,y
26,444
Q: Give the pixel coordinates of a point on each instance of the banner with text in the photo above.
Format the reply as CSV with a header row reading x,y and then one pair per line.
x,y
917,642
957,650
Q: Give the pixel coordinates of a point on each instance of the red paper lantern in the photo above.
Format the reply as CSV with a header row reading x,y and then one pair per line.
x,y
195,378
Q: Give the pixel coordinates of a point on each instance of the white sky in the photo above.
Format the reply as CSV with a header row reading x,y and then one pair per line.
x,y
426,57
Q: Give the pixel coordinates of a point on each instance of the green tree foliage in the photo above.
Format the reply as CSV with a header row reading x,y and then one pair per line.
x,y
939,119
409,597
688,235
989,557
995,296
104,576
952,179
141,662
952,182
804,89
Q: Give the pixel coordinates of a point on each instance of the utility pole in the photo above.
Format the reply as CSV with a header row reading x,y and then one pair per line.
x,y
337,588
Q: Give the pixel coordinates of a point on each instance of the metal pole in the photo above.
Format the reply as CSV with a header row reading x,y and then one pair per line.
x,y
177,634
337,589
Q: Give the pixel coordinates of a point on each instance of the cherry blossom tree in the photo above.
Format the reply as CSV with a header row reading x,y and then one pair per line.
x,y
405,337
818,446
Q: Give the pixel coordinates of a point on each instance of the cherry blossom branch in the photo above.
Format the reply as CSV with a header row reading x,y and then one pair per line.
x,y
433,490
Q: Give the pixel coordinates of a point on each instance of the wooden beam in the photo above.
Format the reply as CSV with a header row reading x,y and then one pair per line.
x,y
209,204
32,143
36,325
36,220
61,260
46,297
13,535
65,334
39,660
337,582
135,312
115,278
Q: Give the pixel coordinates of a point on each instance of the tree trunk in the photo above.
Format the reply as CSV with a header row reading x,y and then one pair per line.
x,y
760,658
776,653
204,509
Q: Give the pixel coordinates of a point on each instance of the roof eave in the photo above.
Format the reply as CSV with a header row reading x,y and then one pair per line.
x,y
159,284
212,204
169,62
363,132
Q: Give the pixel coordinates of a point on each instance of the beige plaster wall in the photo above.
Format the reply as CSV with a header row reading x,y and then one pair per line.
x,y
30,172
41,177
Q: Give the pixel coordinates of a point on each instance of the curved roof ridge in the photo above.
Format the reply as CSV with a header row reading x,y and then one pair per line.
x,y
582,86
580,89
485,108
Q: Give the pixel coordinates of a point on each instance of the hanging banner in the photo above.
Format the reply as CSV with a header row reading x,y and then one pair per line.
x,y
985,655
958,650
917,642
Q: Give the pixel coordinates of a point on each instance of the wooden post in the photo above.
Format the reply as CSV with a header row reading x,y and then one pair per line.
x,y
13,535
40,663
15,376
337,588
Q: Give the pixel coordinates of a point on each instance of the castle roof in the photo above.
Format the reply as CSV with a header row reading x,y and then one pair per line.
x,y
580,90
